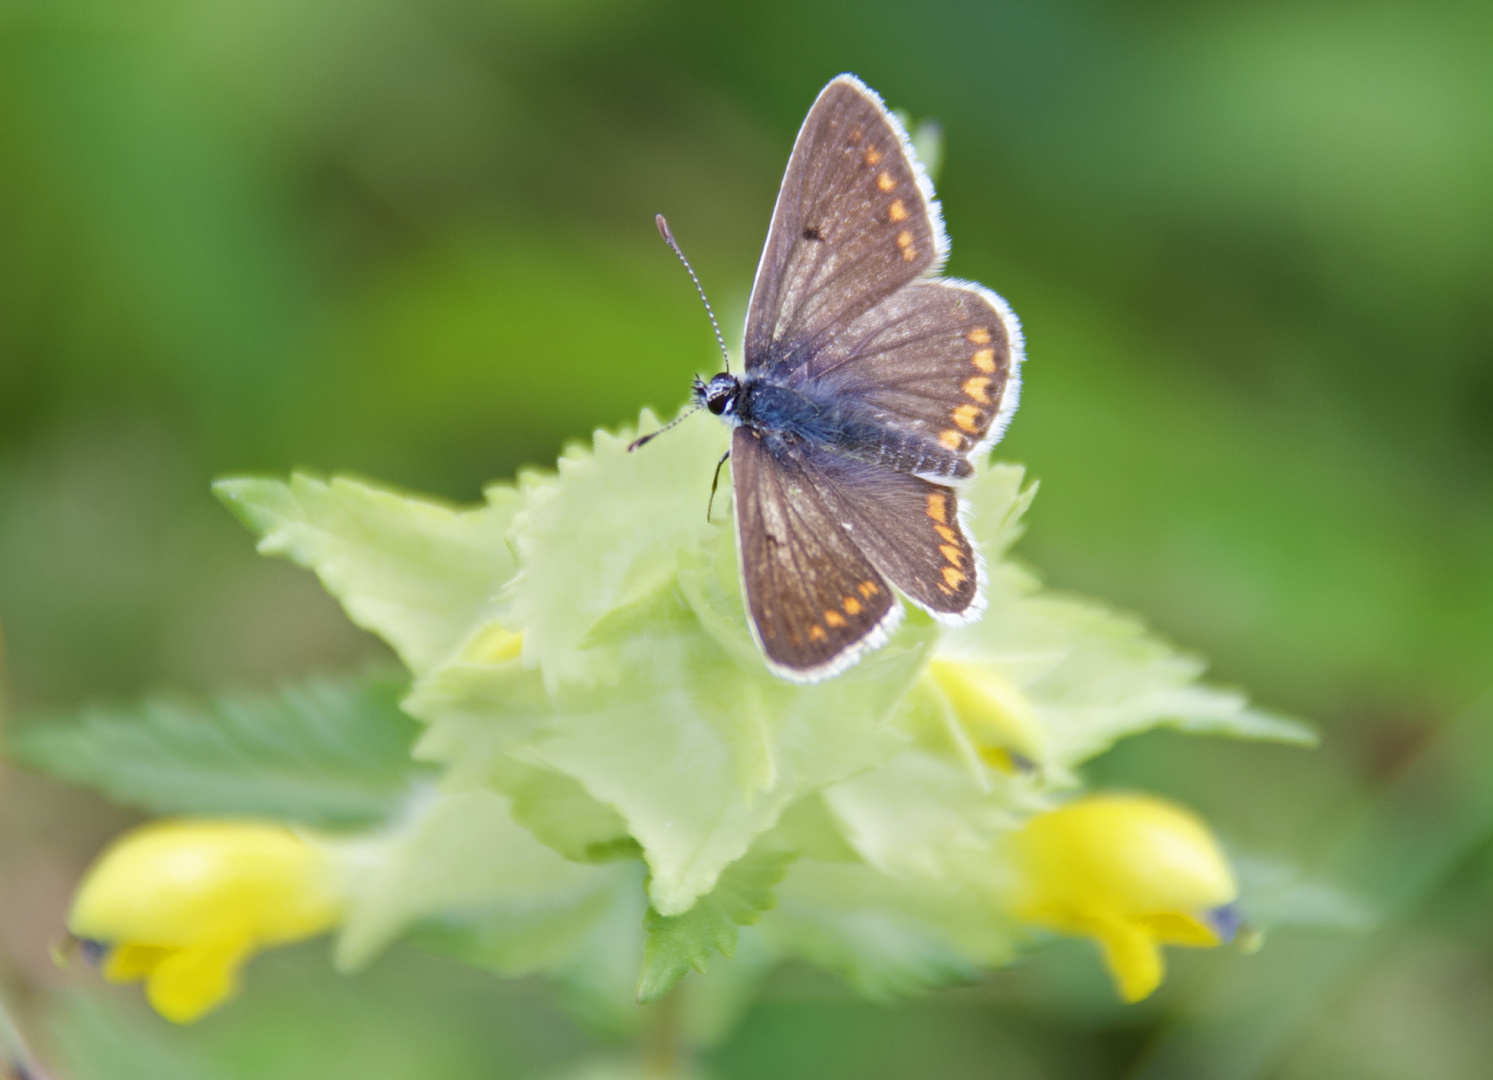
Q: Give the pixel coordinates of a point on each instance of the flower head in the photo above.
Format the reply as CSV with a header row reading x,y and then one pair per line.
x,y
183,904
1131,871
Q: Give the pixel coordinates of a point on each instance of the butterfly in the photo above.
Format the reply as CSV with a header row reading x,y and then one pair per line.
x,y
869,384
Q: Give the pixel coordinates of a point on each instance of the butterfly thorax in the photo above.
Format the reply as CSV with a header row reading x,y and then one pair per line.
x,y
791,418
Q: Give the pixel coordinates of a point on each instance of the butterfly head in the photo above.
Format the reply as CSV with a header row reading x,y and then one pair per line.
x,y
719,395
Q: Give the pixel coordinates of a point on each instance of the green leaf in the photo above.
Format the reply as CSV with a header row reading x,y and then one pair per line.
x,y
886,937
460,859
603,534
659,705
558,932
998,503
325,752
1090,675
1093,676
700,755
926,815
680,942
421,575
557,810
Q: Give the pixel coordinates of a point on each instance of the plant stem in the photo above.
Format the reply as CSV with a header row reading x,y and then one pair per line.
x,y
15,1056
662,1041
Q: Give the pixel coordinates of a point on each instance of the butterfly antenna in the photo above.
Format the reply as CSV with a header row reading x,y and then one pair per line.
x,y
663,229
655,434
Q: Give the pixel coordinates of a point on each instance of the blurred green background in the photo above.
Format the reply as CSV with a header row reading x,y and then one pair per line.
x,y
1252,247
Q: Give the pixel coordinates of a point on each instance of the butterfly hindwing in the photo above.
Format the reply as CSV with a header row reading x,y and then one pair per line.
x,y
813,596
908,526
854,222
939,359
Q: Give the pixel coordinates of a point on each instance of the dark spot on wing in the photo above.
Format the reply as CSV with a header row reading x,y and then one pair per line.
x,y
813,233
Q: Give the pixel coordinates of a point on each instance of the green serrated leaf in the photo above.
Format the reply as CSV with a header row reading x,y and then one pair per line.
x,y
680,942
421,575
886,937
603,534
461,859
1090,675
659,705
736,747
1093,676
557,810
924,815
324,752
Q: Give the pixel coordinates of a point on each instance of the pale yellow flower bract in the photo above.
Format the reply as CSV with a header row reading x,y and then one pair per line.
x,y
183,904
996,715
1131,871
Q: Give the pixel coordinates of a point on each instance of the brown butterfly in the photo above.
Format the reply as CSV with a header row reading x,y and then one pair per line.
x,y
869,383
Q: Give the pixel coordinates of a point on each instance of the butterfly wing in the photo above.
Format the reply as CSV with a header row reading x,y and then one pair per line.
x,y
909,529
816,601
939,359
854,222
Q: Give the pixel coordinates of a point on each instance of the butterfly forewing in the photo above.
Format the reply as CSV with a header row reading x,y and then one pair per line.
x,y
934,359
854,222
815,598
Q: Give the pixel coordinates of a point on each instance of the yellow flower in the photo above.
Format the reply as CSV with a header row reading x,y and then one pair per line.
x,y
1131,871
996,717
183,904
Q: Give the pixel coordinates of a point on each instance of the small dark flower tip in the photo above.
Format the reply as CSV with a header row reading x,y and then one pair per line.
x,y
1226,921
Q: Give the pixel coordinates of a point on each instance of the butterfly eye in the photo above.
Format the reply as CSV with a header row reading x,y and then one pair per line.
x,y
718,403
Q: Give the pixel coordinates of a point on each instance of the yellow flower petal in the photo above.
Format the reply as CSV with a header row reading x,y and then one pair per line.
x,y
994,713
183,904
175,884
1178,928
1130,854
493,644
1132,872
190,982
1132,956
127,962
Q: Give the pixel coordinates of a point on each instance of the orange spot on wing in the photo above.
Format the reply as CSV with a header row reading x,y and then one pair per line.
x,y
833,618
984,359
885,182
955,578
816,633
976,388
947,533
938,507
872,155
852,606
967,417
909,253
980,336
953,554
897,211
951,440
904,238
868,589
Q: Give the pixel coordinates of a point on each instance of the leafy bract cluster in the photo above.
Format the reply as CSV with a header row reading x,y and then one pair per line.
x,y
607,783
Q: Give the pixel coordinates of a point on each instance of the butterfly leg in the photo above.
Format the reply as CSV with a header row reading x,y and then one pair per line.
x,y
715,481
